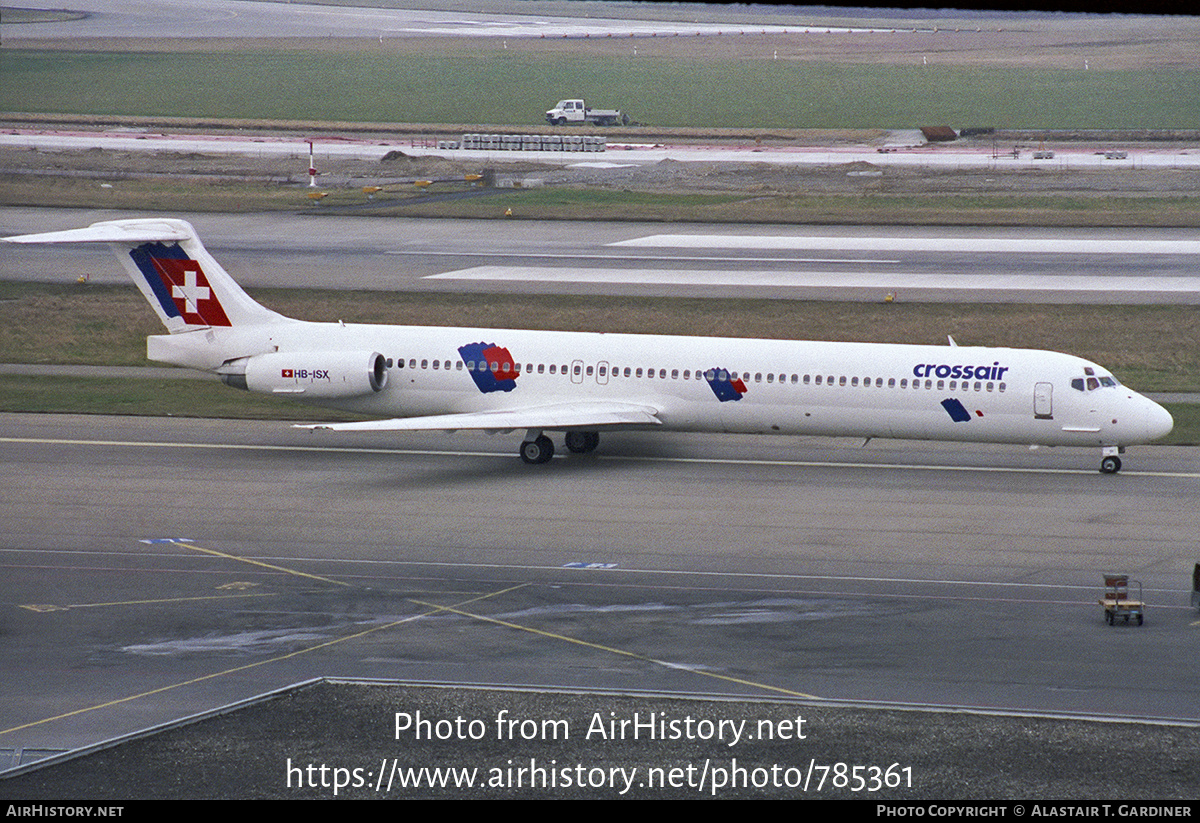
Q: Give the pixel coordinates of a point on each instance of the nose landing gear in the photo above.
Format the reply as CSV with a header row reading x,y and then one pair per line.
x,y
1110,463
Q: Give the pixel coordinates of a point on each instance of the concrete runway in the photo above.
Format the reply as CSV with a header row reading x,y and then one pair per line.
x,y
925,574
627,258
236,18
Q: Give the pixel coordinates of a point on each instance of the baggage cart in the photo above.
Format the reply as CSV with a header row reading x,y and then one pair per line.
x,y
1116,600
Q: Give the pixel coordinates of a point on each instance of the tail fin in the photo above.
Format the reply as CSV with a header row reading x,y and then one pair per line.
x,y
182,282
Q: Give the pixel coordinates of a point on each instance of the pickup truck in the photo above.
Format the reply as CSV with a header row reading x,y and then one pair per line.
x,y
575,111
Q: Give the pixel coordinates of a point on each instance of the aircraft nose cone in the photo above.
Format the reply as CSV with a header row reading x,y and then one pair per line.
x,y
1158,421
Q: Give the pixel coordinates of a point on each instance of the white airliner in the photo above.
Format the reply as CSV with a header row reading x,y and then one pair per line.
x,y
583,383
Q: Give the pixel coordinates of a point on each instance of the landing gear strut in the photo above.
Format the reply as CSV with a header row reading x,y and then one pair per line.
x,y
538,450
582,442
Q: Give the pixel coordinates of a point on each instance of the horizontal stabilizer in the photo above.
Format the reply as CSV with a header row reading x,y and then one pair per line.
x,y
115,231
184,285
594,415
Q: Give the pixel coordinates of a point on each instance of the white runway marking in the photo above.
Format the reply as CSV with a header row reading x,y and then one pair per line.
x,y
640,258
972,245
828,280
134,444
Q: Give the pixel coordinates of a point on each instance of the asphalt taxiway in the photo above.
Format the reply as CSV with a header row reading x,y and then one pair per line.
x,y
158,567
1128,266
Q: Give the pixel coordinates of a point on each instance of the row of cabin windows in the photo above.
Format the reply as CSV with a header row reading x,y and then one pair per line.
x,y
710,374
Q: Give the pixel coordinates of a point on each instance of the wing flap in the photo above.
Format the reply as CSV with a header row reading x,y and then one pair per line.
x,y
553,417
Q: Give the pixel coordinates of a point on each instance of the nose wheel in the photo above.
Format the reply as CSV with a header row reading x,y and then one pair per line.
x,y
1110,465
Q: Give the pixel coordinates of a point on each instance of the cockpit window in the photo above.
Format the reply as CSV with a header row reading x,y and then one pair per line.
x,y
1091,383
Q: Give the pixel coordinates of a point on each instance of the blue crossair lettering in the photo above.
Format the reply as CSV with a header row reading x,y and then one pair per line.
x,y
960,372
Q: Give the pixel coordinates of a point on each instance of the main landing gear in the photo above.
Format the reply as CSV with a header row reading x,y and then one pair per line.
x,y
1110,463
537,448
582,442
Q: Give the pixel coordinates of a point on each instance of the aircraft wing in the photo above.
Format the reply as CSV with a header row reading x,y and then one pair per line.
x,y
557,416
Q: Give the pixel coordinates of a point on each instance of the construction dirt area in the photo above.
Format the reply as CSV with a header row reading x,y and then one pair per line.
x,y
87,177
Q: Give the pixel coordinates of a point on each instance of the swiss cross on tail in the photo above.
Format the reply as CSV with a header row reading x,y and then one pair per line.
x,y
191,293
179,284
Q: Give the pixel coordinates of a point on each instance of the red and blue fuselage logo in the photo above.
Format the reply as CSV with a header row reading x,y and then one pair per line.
x,y
490,366
725,386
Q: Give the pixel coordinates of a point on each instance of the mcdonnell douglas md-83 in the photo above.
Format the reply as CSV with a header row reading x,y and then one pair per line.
x,y
584,383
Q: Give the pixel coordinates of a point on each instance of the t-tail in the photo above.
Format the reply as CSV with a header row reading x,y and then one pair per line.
x,y
210,318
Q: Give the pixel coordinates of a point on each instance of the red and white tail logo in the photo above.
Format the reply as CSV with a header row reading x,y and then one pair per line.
x,y
190,292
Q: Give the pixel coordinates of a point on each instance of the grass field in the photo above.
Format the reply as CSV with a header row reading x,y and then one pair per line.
x,y
986,209
486,84
553,203
157,398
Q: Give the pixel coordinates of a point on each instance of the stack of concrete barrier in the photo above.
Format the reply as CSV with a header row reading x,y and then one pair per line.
x,y
533,142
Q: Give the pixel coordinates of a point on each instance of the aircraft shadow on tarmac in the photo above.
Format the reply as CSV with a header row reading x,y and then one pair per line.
x,y
439,472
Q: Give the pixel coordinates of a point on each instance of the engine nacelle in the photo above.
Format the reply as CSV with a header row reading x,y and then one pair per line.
x,y
336,374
